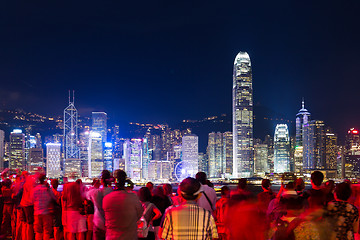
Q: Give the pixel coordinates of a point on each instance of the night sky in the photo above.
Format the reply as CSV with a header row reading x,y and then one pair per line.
x,y
164,61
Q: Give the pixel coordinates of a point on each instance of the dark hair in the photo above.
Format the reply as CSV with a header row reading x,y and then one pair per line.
x,y
54,183
317,178
292,203
120,177
42,178
242,183
7,183
150,185
105,177
189,186
201,177
265,183
159,191
144,194
343,191
95,181
290,186
167,189
299,184
224,190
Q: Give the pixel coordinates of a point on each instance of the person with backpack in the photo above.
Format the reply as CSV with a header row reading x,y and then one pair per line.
x,y
208,196
293,225
150,213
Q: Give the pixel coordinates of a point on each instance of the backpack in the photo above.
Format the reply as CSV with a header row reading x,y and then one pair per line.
x,y
142,224
285,230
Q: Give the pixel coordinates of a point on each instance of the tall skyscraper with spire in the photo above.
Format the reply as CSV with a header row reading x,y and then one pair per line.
x,y
302,118
243,142
71,148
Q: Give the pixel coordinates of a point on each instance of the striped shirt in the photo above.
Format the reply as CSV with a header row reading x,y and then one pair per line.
x,y
189,222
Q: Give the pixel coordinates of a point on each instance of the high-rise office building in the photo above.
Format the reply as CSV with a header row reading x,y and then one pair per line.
x,y
243,146
159,170
53,157
190,154
261,159
215,152
331,149
84,138
2,149
302,118
99,124
281,149
71,149
36,159
108,156
133,154
96,157
203,163
314,145
17,150
228,153
269,141
351,168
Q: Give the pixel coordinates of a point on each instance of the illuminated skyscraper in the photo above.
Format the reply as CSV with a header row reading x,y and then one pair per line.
x,y
314,145
99,124
17,150
2,148
215,152
96,158
261,159
243,142
352,154
84,152
53,156
108,157
133,154
190,154
36,159
281,149
302,118
331,149
71,149
228,153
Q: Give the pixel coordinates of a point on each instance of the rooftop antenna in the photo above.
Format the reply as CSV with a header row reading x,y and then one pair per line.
x,y
73,96
69,96
303,103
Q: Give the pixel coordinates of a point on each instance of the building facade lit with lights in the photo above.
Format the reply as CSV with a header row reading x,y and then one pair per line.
x,y
261,159
96,157
190,155
99,124
71,149
215,152
281,149
2,148
302,118
243,142
53,158
314,145
17,150
133,154
352,154
108,157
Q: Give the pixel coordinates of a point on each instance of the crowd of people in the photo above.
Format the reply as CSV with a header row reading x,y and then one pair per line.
x,y
31,208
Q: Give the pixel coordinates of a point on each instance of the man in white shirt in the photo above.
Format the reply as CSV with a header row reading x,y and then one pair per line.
x,y
207,199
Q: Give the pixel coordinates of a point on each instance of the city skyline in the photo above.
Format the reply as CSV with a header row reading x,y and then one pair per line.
x,y
117,60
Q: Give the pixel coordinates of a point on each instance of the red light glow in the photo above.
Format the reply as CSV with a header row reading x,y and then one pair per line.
x,y
355,131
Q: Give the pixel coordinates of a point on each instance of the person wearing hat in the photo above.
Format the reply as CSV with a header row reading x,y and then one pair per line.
x,y
189,221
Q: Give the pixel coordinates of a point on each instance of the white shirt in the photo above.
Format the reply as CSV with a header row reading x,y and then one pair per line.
x,y
211,194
